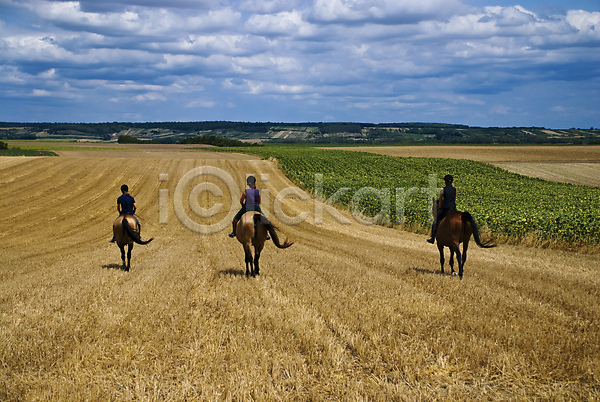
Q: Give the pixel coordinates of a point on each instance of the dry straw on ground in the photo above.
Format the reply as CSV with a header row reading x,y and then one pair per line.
x,y
348,312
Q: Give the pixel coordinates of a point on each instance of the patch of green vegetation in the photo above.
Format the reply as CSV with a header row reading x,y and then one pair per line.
x,y
217,141
128,139
5,150
66,148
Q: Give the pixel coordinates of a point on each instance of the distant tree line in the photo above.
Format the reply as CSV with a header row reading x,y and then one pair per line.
x,y
215,132
128,139
217,141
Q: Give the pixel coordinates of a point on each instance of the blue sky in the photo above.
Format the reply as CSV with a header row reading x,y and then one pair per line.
x,y
482,63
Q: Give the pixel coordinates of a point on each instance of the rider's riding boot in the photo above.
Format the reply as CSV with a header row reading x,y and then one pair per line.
x,y
433,230
232,234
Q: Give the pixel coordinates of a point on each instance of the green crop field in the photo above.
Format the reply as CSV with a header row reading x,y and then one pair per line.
x,y
26,152
507,205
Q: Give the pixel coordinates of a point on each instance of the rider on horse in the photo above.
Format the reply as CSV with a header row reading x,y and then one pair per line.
x,y
446,204
126,205
250,201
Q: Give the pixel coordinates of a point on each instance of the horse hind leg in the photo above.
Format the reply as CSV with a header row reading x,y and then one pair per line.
x,y
248,259
257,252
456,250
256,268
441,250
122,248
464,254
129,248
460,259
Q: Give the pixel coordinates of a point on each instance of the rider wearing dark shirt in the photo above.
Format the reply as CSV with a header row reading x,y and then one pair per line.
x,y
126,205
446,204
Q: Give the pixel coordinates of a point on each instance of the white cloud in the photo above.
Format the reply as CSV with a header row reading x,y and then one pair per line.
x,y
60,93
272,64
283,23
386,11
212,44
585,22
128,86
205,104
151,96
137,22
48,74
213,20
268,6
40,92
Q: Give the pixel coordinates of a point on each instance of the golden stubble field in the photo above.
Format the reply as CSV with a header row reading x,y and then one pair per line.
x,y
348,312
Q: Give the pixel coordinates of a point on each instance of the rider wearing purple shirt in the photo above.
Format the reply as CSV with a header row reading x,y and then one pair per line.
x,y
250,201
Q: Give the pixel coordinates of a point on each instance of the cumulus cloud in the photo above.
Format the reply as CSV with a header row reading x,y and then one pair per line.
x,y
268,6
281,24
382,11
117,5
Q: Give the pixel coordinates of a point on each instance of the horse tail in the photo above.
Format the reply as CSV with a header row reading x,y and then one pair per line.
x,y
133,234
259,218
466,217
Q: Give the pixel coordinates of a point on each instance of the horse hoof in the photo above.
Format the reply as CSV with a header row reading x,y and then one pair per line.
x,y
454,273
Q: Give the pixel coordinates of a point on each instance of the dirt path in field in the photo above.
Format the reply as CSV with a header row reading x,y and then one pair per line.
x,y
348,311
567,164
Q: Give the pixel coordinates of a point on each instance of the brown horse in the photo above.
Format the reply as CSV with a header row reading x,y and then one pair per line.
x,y
252,230
455,228
127,231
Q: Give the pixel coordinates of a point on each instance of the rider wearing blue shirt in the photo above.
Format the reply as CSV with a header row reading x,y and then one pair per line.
x,y
126,205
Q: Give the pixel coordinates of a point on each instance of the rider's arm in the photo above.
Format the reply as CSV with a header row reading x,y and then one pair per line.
x,y
134,207
441,200
118,208
243,198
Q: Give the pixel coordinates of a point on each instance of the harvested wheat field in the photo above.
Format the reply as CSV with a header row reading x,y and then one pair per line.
x,y
347,312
